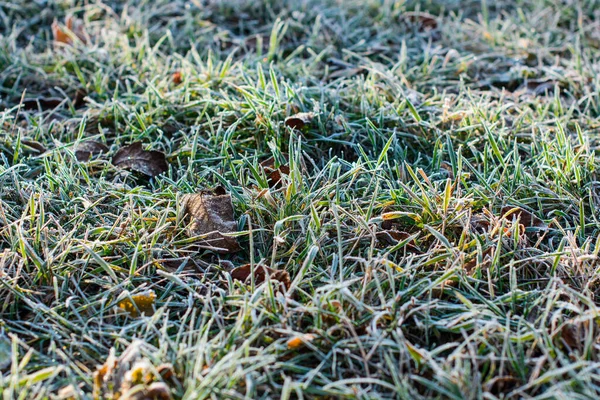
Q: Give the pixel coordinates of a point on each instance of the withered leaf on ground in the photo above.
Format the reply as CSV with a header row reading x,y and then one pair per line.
x,y
135,158
177,78
300,120
36,146
299,341
525,217
43,103
244,273
423,19
274,174
73,26
88,149
390,234
573,334
470,266
139,303
212,216
540,87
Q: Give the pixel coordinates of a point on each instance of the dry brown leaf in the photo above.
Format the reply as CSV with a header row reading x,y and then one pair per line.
x,y
36,146
41,103
523,216
299,341
274,174
540,87
139,303
391,235
177,79
573,334
481,222
470,266
300,120
346,73
135,158
244,272
88,149
212,216
72,25
423,19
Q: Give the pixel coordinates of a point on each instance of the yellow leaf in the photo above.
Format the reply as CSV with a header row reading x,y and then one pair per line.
x,y
299,341
139,303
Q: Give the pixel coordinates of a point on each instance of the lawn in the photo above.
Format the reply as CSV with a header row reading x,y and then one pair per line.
x,y
299,199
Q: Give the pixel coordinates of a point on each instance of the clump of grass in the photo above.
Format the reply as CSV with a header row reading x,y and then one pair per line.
x,y
409,277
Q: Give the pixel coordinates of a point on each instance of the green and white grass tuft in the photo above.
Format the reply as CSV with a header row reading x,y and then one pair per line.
x,y
440,129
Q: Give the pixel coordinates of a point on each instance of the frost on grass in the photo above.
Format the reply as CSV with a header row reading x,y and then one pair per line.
x,y
428,231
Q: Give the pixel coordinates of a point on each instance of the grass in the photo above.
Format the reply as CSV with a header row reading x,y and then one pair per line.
x,y
427,131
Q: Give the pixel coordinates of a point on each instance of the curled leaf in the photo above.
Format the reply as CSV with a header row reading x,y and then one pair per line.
x,y
139,303
244,273
212,216
135,158
88,149
300,120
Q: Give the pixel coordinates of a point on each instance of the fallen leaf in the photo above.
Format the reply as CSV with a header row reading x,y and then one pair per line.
x,y
540,87
135,158
244,272
523,216
299,341
41,103
79,98
300,120
177,79
423,19
346,73
391,236
212,216
139,303
166,371
88,149
573,334
37,146
274,174
502,384
481,222
75,26
470,266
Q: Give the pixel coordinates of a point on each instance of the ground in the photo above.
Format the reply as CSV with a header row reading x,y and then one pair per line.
x,y
436,209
